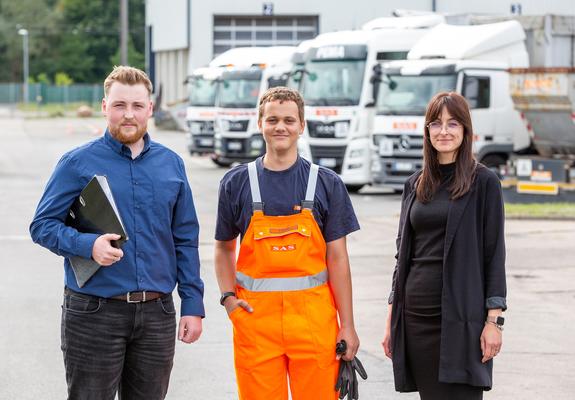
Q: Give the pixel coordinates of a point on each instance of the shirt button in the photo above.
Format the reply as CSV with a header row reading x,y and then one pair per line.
x,y
138,230
137,206
135,182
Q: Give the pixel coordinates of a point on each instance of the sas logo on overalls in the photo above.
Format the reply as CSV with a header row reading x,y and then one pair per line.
x,y
287,247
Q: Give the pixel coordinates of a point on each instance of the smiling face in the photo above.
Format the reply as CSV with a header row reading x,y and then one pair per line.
x,y
127,109
281,126
446,136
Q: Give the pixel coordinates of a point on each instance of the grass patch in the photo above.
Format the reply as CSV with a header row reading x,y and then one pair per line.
x,y
541,210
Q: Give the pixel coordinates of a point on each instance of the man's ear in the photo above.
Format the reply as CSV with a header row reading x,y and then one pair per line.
x,y
260,124
104,105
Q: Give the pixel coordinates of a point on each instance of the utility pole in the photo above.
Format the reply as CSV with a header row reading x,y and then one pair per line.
x,y
124,32
24,33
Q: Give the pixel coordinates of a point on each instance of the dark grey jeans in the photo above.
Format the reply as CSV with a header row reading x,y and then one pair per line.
x,y
113,347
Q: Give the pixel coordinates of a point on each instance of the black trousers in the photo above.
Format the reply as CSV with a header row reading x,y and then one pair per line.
x,y
423,337
113,347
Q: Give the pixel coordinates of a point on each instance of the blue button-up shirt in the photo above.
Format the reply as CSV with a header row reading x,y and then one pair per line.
x,y
155,203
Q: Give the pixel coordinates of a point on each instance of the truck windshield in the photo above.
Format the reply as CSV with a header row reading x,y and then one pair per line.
x,y
409,95
333,83
239,89
202,91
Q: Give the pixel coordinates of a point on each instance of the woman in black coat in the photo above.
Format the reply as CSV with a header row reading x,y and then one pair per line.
x,y
444,324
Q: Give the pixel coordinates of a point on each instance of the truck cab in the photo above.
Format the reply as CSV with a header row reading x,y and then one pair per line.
x,y
201,111
337,84
237,137
470,60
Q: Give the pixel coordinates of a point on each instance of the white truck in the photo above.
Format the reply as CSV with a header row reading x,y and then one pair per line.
x,y
203,84
337,86
237,137
473,61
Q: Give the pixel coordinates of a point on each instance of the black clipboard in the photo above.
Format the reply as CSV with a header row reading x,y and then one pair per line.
x,y
94,211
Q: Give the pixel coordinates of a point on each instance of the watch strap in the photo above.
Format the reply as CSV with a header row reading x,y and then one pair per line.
x,y
225,295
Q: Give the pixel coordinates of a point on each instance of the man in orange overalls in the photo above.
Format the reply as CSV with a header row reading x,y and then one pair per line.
x,y
291,279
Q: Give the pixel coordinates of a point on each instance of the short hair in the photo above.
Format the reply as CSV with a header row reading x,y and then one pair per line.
x,y
281,94
127,76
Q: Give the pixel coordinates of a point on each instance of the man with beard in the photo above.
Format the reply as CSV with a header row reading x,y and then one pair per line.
x,y
118,330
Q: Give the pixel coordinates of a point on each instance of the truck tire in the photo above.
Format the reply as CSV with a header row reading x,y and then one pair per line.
x,y
353,188
494,162
216,160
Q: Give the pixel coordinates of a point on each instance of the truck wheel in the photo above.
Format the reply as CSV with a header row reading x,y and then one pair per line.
x,y
353,188
216,160
494,162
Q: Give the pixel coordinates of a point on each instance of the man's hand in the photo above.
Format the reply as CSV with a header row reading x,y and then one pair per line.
x,y
232,302
352,340
104,253
190,328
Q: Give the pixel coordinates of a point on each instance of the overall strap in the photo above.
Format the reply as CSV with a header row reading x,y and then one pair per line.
x,y
311,185
257,204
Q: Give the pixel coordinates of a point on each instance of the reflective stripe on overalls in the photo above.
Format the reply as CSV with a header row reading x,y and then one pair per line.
x,y
282,273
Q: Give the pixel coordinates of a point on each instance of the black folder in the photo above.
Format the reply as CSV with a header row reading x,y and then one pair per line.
x,y
94,211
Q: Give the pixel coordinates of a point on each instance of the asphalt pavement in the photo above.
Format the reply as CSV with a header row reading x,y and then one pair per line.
x,y
536,361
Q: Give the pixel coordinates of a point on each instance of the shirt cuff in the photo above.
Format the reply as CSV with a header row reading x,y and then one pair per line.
x,y
193,307
496,302
85,244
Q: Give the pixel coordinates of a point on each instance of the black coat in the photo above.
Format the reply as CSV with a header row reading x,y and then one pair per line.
x,y
473,282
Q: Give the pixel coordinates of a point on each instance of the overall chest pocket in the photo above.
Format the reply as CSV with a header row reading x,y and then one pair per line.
x,y
280,247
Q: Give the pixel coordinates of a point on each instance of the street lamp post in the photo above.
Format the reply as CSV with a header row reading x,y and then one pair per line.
x,y
24,34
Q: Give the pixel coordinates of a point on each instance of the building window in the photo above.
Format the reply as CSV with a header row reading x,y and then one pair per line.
x,y
249,31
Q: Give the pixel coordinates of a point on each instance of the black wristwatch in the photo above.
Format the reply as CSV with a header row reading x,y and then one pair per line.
x,y
225,295
498,321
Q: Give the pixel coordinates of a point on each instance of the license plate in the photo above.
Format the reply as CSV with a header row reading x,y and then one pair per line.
x,y
403,166
328,162
206,142
234,146
386,147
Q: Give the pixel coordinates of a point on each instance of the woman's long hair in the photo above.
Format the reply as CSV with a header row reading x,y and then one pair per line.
x,y
465,164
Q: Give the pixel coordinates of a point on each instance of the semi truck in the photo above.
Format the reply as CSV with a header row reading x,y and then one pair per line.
x,y
203,84
337,85
472,60
237,137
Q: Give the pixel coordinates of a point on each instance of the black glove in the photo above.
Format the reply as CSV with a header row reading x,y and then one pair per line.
x,y
347,383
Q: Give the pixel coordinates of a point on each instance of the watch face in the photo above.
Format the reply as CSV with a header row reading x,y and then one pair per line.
x,y
500,320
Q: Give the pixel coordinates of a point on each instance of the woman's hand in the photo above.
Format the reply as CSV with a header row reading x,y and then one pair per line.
x,y
386,343
491,340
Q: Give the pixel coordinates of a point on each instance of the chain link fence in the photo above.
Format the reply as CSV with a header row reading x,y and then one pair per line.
x,y
41,93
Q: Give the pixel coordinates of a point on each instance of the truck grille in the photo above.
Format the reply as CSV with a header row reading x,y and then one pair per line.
x,y
235,125
318,129
201,127
320,155
404,145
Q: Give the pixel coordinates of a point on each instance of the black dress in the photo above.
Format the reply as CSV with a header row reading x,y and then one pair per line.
x,y
423,291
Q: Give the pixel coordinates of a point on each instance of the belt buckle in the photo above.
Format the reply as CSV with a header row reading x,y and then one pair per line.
x,y
143,300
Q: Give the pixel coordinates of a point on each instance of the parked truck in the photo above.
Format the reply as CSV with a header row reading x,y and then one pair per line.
x,y
473,61
237,137
470,60
337,86
545,97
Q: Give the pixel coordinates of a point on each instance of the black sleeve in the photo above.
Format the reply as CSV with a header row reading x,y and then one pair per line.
x,y
226,228
494,244
402,217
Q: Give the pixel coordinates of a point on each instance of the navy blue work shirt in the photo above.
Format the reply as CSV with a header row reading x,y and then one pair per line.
x,y
282,192
155,203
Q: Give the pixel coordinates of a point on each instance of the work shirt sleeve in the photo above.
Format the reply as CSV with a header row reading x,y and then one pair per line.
x,y
48,227
185,231
340,218
226,227
494,245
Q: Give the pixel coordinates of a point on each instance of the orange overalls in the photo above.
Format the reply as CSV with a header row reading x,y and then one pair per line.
x,y
282,274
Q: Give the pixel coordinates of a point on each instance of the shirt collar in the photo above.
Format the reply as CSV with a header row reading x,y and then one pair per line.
x,y
122,148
